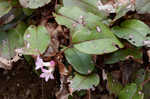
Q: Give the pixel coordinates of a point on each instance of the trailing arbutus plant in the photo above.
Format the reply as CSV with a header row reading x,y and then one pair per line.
x,y
81,41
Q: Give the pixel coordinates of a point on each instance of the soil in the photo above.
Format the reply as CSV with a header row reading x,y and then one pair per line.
x,y
22,83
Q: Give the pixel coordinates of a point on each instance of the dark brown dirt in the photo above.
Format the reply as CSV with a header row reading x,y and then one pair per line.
x,y
22,83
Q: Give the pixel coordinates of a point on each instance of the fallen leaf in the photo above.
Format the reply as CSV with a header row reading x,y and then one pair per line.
x,y
33,4
62,69
148,54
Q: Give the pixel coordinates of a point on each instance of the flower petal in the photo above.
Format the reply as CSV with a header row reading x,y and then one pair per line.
x,y
52,63
47,77
42,75
39,63
44,70
51,76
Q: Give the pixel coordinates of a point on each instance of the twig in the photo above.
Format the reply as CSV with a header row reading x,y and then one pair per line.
x,y
56,3
89,94
144,82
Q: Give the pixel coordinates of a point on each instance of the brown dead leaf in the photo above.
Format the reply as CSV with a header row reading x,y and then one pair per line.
x,y
116,74
7,64
63,93
127,68
148,54
106,97
58,37
110,6
132,57
7,18
54,45
62,69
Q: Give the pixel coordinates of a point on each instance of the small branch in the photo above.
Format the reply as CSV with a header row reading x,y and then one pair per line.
x,y
56,3
146,81
89,94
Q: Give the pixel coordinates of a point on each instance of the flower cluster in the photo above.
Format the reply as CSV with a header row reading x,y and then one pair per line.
x,y
47,72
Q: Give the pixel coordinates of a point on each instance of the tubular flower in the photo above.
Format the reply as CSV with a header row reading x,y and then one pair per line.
x,y
40,63
46,73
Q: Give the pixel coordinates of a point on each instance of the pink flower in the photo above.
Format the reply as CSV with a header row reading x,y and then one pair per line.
x,y
52,63
40,63
47,74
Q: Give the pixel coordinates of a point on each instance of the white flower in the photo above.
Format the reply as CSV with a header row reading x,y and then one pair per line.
x,y
48,74
40,63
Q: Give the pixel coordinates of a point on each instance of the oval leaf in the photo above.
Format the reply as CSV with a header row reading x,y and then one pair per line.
x,y
122,55
146,87
139,95
33,4
142,6
81,62
128,92
86,26
5,7
36,40
139,76
86,5
134,31
84,82
100,46
11,40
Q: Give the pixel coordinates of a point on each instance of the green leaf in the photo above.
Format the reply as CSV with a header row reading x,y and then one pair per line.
x,y
128,92
139,76
131,91
84,82
138,94
142,6
113,85
133,30
33,4
99,46
5,7
36,40
85,26
11,40
79,32
85,5
146,90
123,9
81,93
81,62
27,11
122,55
